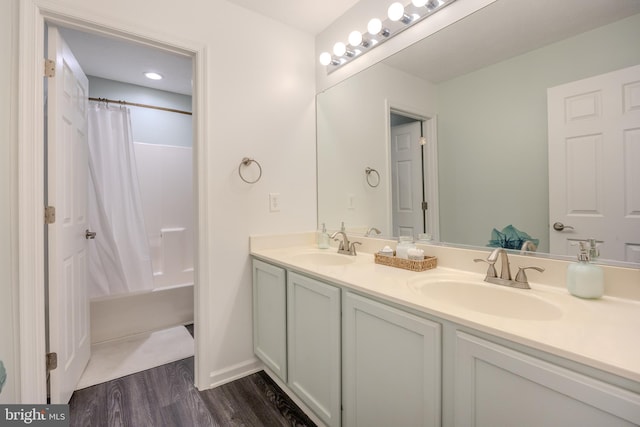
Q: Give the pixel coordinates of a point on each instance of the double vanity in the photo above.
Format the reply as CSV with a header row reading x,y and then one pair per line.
x,y
363,344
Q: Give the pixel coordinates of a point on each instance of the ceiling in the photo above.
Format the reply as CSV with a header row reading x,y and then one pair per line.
x,y
125,61
311,16
501,30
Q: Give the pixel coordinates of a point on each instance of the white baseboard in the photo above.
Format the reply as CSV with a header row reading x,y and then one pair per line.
x,y
234,372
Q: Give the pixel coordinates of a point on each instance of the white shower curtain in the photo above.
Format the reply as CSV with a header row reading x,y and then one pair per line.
x,y
119,257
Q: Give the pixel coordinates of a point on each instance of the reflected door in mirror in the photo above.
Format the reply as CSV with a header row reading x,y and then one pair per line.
x,y
594,153
406,171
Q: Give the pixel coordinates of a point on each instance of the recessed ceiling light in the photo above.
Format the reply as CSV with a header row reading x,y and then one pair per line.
x,y
153,76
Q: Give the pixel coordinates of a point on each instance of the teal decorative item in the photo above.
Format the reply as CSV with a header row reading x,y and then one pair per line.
x,y
3,375
510,238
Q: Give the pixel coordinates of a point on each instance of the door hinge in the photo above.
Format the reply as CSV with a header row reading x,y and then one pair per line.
x,y
49,214
52,361
49,68
425,206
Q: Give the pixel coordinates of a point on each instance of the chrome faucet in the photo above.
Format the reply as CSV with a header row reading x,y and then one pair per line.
x,y
371,230
345,247
505,279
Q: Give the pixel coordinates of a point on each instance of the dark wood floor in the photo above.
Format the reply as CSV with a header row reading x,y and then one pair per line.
x,y
166,396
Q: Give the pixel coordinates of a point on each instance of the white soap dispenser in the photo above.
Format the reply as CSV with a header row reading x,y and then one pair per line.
x,y
585,280
323,238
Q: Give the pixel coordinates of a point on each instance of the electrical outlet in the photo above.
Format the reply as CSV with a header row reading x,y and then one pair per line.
x,y
351,199
274,202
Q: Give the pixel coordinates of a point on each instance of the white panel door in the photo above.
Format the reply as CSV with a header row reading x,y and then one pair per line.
x,y
406,180
67,164
594,153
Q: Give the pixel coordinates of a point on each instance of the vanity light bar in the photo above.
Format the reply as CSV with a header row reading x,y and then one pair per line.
x,y
378,31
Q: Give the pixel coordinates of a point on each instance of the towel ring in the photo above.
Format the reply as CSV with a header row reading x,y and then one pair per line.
x,y
247,162
368,171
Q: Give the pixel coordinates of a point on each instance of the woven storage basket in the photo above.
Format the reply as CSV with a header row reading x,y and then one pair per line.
x,y
427,263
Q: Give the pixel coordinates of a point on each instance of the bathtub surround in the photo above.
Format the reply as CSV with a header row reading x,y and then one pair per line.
x,y
165,174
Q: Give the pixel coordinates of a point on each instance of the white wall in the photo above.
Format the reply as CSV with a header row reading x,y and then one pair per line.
x,y
149,125
260,97
8,296
352,135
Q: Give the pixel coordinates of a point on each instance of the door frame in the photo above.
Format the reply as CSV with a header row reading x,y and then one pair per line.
x,y
31,178
430,131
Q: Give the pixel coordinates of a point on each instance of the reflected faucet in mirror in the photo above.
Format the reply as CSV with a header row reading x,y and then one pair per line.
x,y
528,246
371,230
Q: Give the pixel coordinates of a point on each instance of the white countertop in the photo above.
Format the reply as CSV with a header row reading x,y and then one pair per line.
x,y
602,333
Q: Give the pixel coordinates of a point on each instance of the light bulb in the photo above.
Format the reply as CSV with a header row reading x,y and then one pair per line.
x,y
374,27
355,38
419,3
396,11
325,58
339,49
153,76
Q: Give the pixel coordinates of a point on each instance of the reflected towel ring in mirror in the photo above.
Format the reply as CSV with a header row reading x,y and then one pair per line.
x,y
369,171
247,162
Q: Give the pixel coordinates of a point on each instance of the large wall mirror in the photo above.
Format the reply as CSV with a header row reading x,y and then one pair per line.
x,y
454,135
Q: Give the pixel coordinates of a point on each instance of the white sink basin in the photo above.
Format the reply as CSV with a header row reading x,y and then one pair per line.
x,y
486,298
323,258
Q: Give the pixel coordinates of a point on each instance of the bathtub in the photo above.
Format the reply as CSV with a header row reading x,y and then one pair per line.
x,y
118,316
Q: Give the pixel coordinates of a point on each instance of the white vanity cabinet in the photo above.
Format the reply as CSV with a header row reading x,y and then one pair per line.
x,y
498,386
360,361
270,316
391,366
313,331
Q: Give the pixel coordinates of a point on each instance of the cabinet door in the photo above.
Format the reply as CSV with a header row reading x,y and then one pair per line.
x,y
498,386
314,345
391,367
270,316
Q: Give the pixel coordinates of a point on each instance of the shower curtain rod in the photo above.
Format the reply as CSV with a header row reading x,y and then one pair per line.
x,y
134,104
